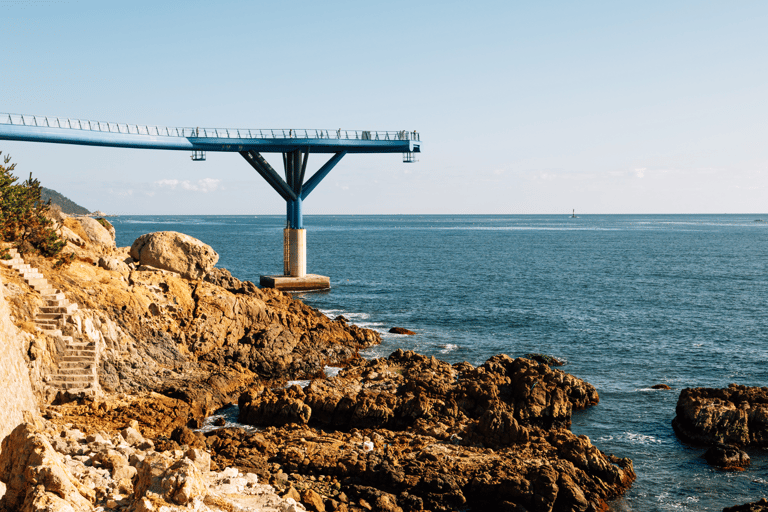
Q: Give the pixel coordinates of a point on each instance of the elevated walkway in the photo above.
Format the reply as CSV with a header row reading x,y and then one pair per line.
x,y
295,144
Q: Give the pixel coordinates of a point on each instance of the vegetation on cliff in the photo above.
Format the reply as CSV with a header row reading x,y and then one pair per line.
x,y
66,204
23,219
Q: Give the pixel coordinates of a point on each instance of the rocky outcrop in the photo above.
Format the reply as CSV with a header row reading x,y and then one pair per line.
x,y
727,457
755,506
492,404
736,415
177,252
156,331
554,470
50,469
17,398
96,233
420,433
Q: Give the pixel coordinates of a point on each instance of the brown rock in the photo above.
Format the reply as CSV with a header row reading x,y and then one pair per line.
x,y
727,457
96,233
313,501
660,386
27,462
737,415
401,330
755,506
292,493
176,252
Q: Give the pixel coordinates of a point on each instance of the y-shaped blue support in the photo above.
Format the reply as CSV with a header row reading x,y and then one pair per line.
x,y
292,189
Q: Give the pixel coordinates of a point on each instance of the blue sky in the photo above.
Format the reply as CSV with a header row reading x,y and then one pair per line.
x,y
523,107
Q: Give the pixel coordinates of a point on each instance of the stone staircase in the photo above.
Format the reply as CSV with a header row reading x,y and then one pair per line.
x,y
78,364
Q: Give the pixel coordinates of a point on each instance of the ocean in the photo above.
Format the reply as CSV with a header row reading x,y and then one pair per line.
x,y
628,301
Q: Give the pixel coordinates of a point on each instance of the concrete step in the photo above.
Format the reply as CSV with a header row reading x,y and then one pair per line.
x,y
80,353
75,372
37,282
54,310
67,339
48,316
51,332
31,274
73,378
75,359
71,386
55,296
81,345
72,365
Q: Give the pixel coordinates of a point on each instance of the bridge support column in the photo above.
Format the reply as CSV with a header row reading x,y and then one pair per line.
x,y
295,252
294,190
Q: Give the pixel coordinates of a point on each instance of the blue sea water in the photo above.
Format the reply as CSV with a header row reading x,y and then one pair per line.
x,y
627,300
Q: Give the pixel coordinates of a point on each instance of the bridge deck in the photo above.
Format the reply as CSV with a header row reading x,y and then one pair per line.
x,y
99,133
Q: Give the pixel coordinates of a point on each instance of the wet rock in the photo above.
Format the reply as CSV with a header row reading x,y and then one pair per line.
x,y
755,506
401,330
660,386
545,359
419,433
727,457
736,415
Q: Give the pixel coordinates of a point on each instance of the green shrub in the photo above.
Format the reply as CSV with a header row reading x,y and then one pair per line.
x,y
23,220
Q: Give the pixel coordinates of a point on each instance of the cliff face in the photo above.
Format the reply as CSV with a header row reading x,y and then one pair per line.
x,y
17,398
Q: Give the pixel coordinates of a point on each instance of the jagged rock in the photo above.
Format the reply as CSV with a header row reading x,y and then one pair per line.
x,y
543,358
177,481
490,404
419,429
755,506
313,501
27,456
401,330
70,236
176,252
737,415
114,264
727,457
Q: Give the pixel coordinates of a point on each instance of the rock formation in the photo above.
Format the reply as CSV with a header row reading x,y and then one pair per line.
x,y
418,433
52,469
404,433
17,398
736,415
177,252
755,506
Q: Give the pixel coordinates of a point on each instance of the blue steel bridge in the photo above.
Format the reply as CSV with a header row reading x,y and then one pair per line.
x,y
295,144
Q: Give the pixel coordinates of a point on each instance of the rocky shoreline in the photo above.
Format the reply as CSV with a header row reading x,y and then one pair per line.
x,y
177,339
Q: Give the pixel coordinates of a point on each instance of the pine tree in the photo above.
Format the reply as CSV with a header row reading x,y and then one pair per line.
x,y
23,219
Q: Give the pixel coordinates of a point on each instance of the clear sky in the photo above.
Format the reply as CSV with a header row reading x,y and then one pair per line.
x,y
523,107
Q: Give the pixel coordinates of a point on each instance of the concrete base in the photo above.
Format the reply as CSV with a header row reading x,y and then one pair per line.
x,y
289,283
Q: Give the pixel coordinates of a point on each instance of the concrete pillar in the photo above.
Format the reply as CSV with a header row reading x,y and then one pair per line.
x,y
295,252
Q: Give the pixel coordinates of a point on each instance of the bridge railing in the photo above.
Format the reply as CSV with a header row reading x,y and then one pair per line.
x,y
215,133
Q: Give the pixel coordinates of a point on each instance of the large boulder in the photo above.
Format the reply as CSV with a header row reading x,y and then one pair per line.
x,y
736,415
97,234
177,252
